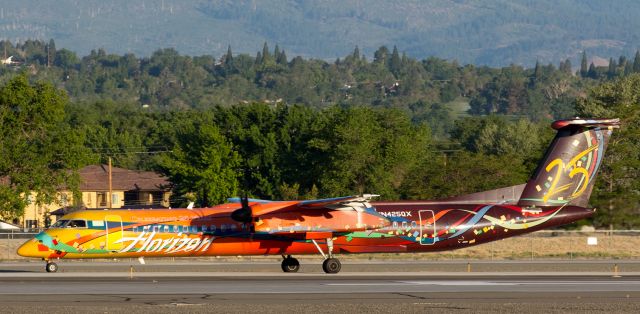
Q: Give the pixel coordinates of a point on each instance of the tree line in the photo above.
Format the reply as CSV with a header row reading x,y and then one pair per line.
x,y
275,128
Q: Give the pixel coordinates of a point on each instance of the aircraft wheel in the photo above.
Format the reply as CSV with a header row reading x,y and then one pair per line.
x,y
331,266
51,267
290,265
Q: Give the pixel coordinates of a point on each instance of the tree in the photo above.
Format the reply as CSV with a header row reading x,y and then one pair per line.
x,y
381,55
565,67
202,163
616,190
584,67
636,62
395,63
51,52
371,151
40,153
282,58
613,66
267,58
593,72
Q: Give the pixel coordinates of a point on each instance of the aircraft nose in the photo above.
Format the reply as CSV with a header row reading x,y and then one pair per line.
x,y
29,249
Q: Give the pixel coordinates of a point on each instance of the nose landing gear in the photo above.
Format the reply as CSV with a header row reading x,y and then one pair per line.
x,y
51,267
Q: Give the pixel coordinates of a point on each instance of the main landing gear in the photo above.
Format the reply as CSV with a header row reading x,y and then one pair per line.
x,y
330,265
51,267
290,264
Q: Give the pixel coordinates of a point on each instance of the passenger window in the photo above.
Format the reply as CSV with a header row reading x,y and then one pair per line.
x,y
395,225
223,228
404,225
414,224
166,228
213,228
204,228
135,229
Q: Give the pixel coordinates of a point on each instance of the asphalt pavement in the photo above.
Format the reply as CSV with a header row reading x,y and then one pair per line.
x,y
374,287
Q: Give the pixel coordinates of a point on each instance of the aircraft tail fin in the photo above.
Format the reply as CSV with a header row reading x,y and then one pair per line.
x,y
567,173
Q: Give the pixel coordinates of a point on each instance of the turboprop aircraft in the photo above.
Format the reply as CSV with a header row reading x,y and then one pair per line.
x,y
556,194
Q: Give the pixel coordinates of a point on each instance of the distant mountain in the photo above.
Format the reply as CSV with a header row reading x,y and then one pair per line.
x,y
488,32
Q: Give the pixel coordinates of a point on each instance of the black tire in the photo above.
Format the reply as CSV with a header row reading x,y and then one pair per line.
x,y
51,267
331,266
290,265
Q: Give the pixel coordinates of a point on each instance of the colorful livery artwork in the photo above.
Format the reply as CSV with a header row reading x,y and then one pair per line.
x,y
557,194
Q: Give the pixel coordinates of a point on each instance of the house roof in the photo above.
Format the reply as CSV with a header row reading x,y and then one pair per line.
x,y
96,178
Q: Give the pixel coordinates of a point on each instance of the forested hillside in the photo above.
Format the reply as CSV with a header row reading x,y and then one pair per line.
x,y
279,127
481,32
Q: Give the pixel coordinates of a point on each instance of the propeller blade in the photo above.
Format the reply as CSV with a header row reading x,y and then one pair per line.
x,y
243,214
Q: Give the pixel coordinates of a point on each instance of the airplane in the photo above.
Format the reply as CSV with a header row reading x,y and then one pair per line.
x,y
556,194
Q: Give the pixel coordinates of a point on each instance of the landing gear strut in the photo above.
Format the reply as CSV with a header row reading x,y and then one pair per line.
x,y
330,265
290,264
51,267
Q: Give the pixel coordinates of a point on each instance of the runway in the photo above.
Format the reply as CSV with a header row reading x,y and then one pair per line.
x,y
108,289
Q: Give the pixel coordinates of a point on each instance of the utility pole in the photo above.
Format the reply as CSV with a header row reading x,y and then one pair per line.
x,y
110,188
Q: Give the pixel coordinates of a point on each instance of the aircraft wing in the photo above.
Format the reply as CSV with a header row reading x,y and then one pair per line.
x,y
321,217
262,208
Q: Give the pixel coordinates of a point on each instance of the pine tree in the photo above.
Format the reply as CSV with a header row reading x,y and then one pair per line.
x,y
565,66
584,70
51,52
381,55
636,63
592,73
356,53
228,58
282,58
622,61
612,68
395,63
537,71
266,55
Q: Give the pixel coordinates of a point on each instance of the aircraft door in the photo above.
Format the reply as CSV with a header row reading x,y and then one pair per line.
x,y
427,227
113,232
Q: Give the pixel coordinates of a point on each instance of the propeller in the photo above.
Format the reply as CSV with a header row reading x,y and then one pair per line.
x,y
245,213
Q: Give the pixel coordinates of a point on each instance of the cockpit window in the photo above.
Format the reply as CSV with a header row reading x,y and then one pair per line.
x,y
76,224
59,224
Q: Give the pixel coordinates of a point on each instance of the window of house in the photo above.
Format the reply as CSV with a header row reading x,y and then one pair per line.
x,y
101,199
32,224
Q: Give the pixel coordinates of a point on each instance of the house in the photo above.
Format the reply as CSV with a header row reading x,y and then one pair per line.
x,y
130,189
